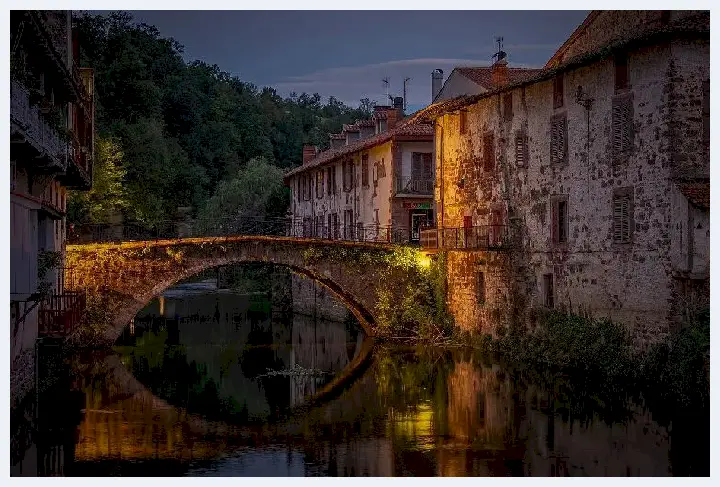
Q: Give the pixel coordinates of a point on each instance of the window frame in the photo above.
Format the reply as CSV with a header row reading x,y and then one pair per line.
x,y
558,91
560,225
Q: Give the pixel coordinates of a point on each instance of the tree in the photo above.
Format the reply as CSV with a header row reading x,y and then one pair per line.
x,y
108,195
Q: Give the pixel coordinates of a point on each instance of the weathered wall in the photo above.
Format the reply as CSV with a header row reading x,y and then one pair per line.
x,y
129,275
630,283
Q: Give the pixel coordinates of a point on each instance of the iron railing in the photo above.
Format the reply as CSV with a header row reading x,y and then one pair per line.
x,y
477,237
35,125
405,185
280,227
483,237
59,314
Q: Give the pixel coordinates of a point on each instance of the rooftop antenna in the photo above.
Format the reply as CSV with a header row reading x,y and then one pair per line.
x,y
500,54
405,93
386,82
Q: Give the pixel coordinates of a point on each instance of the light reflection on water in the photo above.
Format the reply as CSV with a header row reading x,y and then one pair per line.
x,y
189,394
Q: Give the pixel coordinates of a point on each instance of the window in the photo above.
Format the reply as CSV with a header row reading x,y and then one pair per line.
x,y
548,291
480,289
330,189
422,166
347,169
558,139
622,130
558,93
463,122
319,183
330,233
489,152
521,150
365,176
623,215
349,226
559,220
508,107
621,71
377,223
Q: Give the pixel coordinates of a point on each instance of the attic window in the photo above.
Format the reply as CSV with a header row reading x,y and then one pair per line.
x,y
558,93
621,72
508,107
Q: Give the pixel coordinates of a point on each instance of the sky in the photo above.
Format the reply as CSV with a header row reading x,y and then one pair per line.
x,y
347,54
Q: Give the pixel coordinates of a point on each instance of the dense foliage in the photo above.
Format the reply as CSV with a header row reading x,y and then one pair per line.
x,y
183,128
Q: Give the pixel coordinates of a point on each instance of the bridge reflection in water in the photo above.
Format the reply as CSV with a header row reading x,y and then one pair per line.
x,y
189,394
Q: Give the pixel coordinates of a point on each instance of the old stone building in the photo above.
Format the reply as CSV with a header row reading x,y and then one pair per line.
x,y
375,182
51,150
597,169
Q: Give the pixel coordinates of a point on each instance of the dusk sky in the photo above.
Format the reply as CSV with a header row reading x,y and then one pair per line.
x,y
347,53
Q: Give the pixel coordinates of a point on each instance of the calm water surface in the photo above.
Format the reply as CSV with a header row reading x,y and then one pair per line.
x,y
219,384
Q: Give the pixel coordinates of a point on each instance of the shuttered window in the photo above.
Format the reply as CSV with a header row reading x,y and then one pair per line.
x,y
622,215
622,130
365,175
559,219
558,91
489,152
706,115
558,139
463,121
508,107
521,154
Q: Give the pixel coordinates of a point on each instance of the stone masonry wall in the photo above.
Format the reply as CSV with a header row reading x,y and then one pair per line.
x,y
629,283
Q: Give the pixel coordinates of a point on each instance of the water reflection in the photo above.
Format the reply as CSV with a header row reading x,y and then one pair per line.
x,y
202,386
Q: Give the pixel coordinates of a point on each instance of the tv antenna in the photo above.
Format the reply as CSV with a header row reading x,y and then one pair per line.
x,y
405,93
386,82
500,54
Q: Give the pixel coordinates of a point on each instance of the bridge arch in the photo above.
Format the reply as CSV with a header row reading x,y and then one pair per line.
x,y
128,275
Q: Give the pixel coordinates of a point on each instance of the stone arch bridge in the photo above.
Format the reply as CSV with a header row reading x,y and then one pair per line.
x,y
367,277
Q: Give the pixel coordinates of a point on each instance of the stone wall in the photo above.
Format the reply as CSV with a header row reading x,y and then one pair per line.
x,y
311,299
627,282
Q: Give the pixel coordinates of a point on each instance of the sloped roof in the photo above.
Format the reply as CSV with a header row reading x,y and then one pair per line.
x,y
482,75
337,136
697,26
697,193
405,128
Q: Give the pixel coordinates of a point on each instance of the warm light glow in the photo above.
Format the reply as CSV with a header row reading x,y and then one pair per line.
x,y
424,261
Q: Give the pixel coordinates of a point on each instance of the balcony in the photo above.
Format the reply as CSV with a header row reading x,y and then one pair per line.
x,y
484,237
414,186
60,313
30,126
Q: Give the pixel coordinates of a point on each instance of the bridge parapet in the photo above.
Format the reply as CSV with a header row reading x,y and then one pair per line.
x,y
365,276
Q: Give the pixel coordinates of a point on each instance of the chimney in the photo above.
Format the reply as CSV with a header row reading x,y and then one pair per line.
x,y
309,152
393,116
437,83
500,73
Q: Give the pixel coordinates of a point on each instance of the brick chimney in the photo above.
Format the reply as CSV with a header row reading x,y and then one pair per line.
x,y
309,153
499,72
393,117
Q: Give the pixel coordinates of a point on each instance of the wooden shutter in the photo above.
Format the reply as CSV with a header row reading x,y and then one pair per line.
x,y
489,152
554,221
463,121
508,109
427,166
558,139
622,132
480,288
365,178
621,218
520,149
416,168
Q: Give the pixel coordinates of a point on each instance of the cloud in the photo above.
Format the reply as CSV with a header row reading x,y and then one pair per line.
x,y
349,84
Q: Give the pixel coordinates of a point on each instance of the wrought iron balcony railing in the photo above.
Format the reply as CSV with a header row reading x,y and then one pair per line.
x,y
414,186
35,126
60,313
483,237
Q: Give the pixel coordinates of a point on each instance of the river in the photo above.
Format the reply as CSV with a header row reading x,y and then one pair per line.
x,y
283,382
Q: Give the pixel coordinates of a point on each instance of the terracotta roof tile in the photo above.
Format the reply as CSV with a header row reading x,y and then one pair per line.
x,y
482,75
697,193
697,26
365,123
405,128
